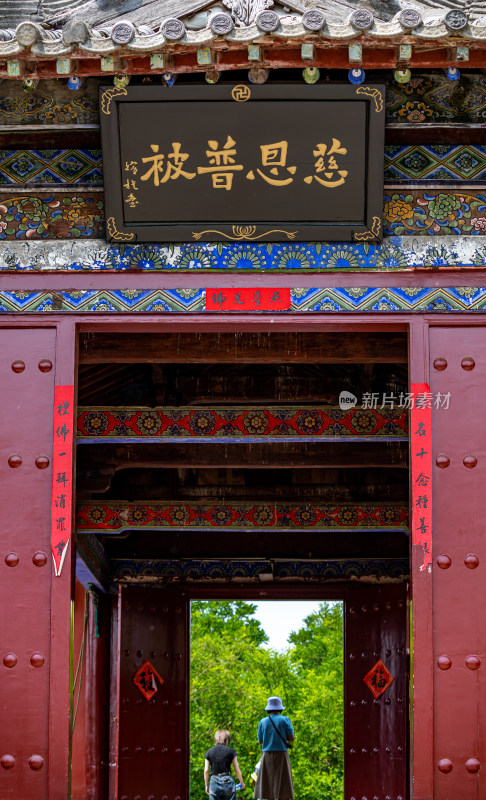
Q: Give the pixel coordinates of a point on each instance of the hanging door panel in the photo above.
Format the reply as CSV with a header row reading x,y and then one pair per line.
x,y
376,724
153,712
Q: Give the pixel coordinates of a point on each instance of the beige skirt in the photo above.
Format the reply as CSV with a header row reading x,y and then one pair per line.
x,y
275,777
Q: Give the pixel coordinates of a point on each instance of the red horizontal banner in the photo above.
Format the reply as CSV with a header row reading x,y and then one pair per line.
x,y
247,299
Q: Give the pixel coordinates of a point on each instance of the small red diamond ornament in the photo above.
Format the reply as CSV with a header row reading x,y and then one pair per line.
x,y
378,679
144,680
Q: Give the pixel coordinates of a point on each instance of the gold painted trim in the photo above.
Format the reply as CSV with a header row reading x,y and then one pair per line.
x,y
114,233
241,232
369,234
375,94
108,96
241,93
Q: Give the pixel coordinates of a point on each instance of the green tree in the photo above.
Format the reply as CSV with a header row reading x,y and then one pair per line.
x,y
317,654
226,616
227,687
319,643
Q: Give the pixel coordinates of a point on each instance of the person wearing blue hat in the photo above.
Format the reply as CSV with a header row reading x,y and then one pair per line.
x,y
276,735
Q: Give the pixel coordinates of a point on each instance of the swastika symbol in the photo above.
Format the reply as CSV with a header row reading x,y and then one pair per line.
x,y
241,93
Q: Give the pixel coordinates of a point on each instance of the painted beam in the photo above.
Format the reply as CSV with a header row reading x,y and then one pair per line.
x,y
365,299
259,572
82,167
407,210
307,423
394,254
116,517
428,98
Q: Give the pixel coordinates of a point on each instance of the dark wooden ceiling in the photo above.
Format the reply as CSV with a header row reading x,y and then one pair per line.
x,y
242,369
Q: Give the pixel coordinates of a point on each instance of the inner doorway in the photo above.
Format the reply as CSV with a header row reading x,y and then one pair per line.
x,y
153,733
224,466
242,652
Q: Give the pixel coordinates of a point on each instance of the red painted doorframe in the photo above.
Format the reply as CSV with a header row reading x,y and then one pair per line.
x,y
154,620
417,326
422,670
62,594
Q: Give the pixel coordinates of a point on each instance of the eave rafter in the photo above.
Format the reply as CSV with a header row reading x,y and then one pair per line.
x,y
201,37
226,57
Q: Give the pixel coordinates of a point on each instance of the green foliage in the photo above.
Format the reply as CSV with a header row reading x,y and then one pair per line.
x,y
320,643
232,675
226,616
317,654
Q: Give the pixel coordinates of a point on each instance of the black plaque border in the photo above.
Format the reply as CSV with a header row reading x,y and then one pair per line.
x,y
243,230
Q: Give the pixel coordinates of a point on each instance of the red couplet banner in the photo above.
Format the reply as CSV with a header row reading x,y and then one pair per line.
x,y
421,458
62,474
248,299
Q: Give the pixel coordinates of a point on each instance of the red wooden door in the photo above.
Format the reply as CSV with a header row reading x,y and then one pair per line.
x,y
376,726
458,386
27,359
153,726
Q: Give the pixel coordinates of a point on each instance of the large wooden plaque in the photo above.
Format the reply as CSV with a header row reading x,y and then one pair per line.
x,y
233,162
